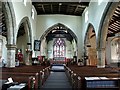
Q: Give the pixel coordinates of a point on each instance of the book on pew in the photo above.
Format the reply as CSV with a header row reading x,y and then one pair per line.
x,y
20,86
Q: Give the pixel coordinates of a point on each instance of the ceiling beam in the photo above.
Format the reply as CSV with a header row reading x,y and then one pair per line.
x,y
43,8
51,8
72,3
112,30
117,23
59,7
113,34
114,20
114,26
76,9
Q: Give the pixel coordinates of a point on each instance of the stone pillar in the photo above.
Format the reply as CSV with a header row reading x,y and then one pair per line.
x,y
10,55
29,58
101,57
0,52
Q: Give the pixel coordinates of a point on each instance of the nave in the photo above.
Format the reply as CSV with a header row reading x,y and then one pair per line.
x,y
75,44
60,76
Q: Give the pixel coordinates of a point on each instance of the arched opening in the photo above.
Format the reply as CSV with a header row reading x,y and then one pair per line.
x,y
59,43
109,29
90,46
23,43
115,50
7,28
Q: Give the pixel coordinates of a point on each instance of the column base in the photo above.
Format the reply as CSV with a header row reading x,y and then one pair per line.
x,y
28,62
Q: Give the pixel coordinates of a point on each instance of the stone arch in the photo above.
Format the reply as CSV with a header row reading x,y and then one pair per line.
x,y
11,27
27,35
43,40
58,24
102,32
10,21
26,22
90,48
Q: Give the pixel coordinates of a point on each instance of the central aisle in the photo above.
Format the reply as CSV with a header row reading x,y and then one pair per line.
x,y
57,80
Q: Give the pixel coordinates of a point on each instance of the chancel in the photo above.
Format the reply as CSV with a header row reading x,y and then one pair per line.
x,y
63,44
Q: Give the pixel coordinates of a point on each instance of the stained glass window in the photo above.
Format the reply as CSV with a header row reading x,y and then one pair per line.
x,y
59,48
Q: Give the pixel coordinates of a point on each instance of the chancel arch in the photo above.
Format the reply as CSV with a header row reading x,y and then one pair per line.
x,y
58,42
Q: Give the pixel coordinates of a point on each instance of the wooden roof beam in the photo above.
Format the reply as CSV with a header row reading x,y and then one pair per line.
x,y
112,30
114,20
51,8
76,9
43,8
115,26
59,7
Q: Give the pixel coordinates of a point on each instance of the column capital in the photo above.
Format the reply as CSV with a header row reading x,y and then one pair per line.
x,y
10,46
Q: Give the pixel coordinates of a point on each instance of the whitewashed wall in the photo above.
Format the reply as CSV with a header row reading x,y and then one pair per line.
x,y
21,10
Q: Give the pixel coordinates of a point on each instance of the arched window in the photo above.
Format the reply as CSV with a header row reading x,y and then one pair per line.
x,y
59,49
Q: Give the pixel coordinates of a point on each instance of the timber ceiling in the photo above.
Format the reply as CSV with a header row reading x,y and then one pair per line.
x,y
114,25
65,8
59,32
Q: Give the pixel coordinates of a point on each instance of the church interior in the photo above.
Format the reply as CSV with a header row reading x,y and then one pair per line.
x,y
60,44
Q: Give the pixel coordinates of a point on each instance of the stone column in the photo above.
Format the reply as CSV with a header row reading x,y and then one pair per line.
x,y
0,52
29,58
28,54
10,55
101,57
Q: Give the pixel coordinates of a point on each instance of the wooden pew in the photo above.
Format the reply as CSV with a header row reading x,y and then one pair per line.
x,y
22,77
101,83
25,73
74,72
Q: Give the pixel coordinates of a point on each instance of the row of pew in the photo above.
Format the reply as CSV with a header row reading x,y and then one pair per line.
x,y
33,76
92,81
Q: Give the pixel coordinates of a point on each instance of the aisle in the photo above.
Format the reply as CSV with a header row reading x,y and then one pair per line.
x,y
57,80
